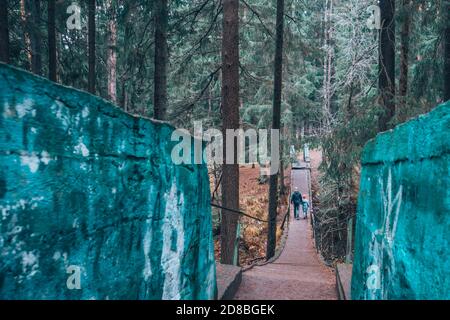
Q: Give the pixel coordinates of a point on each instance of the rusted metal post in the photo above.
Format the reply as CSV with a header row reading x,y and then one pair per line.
x,y
349,249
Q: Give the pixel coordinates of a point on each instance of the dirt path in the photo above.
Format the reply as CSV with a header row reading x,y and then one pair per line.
x,y
298,273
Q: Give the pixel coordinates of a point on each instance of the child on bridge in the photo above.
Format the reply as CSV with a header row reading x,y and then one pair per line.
x,y
305,205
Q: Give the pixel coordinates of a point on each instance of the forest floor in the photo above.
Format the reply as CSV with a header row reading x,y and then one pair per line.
x,y
254,200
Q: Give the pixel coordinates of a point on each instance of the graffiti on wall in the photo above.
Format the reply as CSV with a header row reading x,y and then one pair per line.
x,y
381,245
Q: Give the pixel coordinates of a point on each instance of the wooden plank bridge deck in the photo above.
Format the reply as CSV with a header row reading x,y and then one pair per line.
x,y
298,273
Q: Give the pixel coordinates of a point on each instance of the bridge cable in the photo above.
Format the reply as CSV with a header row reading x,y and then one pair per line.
x,y
238,212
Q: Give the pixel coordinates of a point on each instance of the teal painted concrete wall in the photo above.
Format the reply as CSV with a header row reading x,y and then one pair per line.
x,y
402,248
86,187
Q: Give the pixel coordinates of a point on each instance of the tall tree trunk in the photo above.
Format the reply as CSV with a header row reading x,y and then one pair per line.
x,y
276,120
330,59
24,16
91,46
230,116
36,42
446,13
325,63
112,55
328,106
4,32
161,59
51,33
387,63
127,54
404,55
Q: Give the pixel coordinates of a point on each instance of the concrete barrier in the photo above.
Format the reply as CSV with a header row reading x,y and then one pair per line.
x,y
402,237
91,205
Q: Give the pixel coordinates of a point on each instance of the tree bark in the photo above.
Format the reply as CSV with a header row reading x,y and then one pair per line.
x,y
276,120
36,41
387,63
329,107
24,16
230,116
446,13
91,46
51,33
404,55
161,59
112,54
4,32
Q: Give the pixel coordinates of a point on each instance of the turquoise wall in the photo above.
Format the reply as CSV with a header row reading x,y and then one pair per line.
x,y
86,189
402,238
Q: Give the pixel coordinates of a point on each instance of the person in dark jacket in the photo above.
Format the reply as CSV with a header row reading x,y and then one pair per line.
x,y
296,200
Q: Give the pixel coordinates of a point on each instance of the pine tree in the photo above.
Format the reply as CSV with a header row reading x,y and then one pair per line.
x,y
91,46
112,54
161,59
35,37
387,63
230,120
276,121
51,33
4,32
446,14
404,56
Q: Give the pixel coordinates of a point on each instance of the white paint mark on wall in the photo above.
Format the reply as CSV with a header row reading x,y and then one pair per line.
x,y
122,145
81,149
30,263
147,242
45,157
7,112
22,204
147,272
30,160
77,120
171,260
24,108
16,230
5,211
85,112
56,255
210,279
60,112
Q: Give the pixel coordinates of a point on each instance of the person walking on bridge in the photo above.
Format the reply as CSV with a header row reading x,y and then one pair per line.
x,y
305,207
296,200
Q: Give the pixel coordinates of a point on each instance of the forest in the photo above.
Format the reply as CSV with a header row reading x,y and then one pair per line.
x,y
329,73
